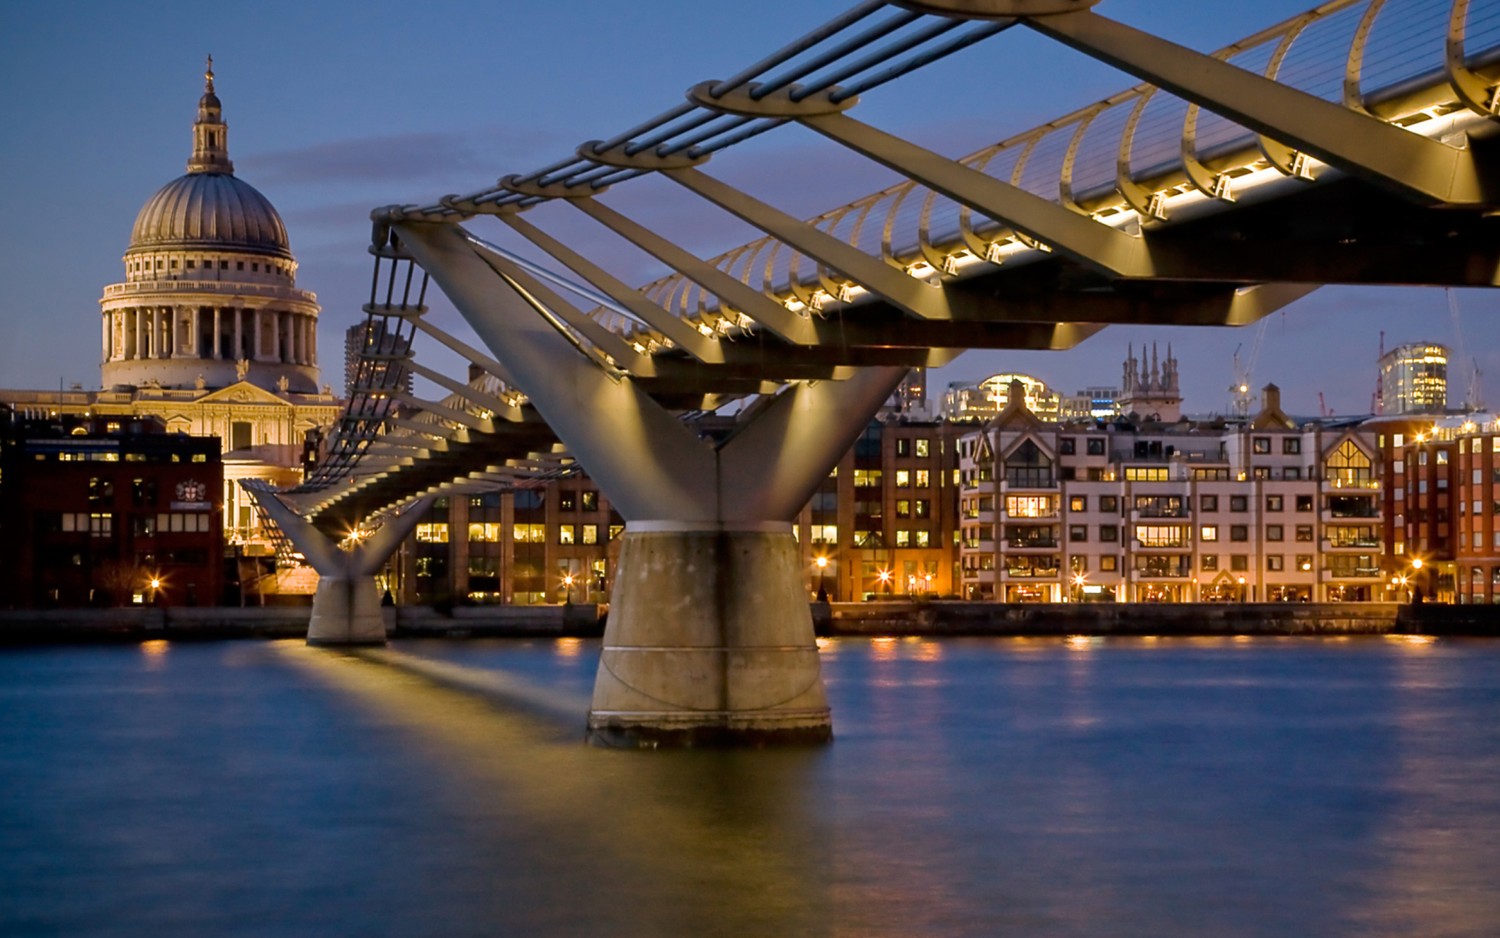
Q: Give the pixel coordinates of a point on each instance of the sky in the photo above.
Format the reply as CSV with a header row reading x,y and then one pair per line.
x,y
335,107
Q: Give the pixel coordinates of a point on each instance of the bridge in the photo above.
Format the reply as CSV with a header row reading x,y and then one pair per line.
x,y
1353,144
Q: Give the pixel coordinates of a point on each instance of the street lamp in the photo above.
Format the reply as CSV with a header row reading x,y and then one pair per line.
x,y
1241,581
568,583
1078,579
821,561
885,577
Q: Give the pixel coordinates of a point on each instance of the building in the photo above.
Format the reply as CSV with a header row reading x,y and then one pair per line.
x,y
1414,379
1145,511
985,399
99,512
1150,389
209,333
371,338
1092,403
881,524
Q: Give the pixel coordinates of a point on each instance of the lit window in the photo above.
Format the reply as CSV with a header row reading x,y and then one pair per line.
x,y
432,533
1209,532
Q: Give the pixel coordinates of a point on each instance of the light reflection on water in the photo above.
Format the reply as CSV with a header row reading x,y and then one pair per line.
x,y
977,787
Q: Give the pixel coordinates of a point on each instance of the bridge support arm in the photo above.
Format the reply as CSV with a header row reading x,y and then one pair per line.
x,y
346,607
1363,146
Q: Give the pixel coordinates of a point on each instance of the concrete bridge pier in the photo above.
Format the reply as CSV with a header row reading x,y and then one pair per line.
x,y
346,606
709,639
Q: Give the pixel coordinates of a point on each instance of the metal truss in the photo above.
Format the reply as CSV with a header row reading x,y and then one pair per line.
x,y
1349,144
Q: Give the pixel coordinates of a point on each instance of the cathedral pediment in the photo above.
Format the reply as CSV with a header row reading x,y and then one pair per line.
x,y
243,392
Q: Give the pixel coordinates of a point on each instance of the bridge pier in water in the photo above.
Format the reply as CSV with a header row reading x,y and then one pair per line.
x,y
709,639
346,606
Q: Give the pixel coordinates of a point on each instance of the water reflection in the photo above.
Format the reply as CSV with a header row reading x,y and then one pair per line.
x,y
977,787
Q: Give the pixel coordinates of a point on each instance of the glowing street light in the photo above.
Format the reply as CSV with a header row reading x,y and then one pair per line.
x,y
885,577
821,562
568,583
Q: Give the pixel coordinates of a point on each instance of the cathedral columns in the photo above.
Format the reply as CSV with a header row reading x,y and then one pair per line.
x,y
218,334
239,335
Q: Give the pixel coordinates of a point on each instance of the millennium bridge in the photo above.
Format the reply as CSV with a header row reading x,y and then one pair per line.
x,y
1352,144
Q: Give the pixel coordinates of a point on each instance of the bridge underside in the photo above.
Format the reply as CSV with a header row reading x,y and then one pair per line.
x,y
709,637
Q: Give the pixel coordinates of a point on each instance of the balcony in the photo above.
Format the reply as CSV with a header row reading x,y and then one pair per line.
x,y
1137,547
1031,543
1329,574
1159,514
1031,573
1022,481
1345,515
1352,543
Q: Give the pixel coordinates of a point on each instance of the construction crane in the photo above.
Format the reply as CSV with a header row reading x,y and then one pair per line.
x,y
1473,393
1324,410
1240,396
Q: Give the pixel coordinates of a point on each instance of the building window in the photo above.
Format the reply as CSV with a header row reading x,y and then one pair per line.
x,y
1291,446
1239,503
903,447
903,508
903,537
1161,535
1261,472
528,533
1304,503
1096,447
1109,533
565,534
566,501
1109,563
867,478
1260,444
1078,533
435,532
923,507
1209,502
921,478
825,534
1274,563
922,538
1078,503
1304,532
1239,532
1145,473
924,447
1029,506
1067,446
1274,503
1208,562
591,534
486,532
1304,563
589,500
903,478
1239,563
1274,532
1349,466
1109,503
1209,532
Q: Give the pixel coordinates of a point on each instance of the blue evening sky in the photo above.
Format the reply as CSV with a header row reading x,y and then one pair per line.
x,y
335,107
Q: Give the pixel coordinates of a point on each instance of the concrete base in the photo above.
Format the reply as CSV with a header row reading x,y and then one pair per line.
x,y
346,611
709,642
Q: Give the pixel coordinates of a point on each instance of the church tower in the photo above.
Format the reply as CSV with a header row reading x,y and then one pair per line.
x,y
1149,388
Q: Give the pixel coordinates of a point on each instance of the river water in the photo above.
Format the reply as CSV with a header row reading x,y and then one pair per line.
x,y
976,787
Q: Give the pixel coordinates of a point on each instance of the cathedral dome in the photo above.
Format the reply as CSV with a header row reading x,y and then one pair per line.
x,y
209,211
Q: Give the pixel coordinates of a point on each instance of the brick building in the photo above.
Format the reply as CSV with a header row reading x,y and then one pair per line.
x,y
104,511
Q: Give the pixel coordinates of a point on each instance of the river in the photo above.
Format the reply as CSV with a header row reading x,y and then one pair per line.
x,y
1224,787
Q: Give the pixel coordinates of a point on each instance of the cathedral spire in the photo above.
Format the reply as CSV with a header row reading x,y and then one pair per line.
x,y
210,133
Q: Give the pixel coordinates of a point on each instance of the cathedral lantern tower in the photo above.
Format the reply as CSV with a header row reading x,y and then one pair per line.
x,y
210,294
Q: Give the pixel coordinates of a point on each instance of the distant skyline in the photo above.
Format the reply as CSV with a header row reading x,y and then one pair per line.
x,y
336,107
